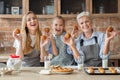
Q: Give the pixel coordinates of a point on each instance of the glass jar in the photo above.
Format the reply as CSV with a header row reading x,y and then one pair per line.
x,y
80,62
47,62
104,63
14,62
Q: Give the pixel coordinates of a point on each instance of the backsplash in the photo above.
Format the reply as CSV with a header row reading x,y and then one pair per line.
x,y
100,24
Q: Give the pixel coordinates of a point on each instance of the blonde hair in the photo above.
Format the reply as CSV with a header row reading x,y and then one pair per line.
x,y
26,40
60,17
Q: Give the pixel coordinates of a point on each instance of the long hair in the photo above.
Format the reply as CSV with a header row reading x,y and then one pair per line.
x,y
60,17
26,40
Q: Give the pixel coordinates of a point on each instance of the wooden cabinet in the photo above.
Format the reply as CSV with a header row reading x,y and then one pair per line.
x,y
43,8
71,8
65,8
12,8
105,8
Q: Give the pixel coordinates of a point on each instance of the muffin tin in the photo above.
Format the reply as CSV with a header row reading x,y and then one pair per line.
x,y
107,71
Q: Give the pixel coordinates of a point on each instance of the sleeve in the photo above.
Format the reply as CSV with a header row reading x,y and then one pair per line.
x,y
16,44
47,46
102,42
69,51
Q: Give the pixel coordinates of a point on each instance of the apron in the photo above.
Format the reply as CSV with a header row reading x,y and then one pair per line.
x,y
31,59
62,59
91,53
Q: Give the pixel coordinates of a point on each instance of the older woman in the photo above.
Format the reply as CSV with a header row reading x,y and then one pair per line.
x,y
91,44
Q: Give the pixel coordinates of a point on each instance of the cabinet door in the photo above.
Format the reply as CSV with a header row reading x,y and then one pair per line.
x,y
105,7
69,8
11,8
43,8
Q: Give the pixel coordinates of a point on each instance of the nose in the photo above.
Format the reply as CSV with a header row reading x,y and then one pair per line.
x,y
58,26
84,23
32,20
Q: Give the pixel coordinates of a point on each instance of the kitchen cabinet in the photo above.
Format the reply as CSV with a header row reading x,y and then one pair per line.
x,y
12,8
65,8
43,8
71,8
105,8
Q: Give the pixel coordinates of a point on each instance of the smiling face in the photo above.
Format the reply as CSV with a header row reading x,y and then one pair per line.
x,y
58,26
32,23
85,24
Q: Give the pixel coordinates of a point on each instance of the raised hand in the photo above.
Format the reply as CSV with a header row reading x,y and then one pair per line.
x,y
17,35
44,41
110,34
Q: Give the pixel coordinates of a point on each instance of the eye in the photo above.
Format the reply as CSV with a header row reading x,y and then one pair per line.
x,y
28,19
81,23
33,18
55,24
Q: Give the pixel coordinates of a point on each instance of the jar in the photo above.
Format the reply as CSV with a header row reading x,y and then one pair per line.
x,y
14,62
80,62
47,62
104,63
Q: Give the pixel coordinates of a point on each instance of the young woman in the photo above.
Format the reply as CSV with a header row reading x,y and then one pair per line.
x,y
94,46
57,47
28,44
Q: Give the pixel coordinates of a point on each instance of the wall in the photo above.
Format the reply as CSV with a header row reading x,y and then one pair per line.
x,y
99,24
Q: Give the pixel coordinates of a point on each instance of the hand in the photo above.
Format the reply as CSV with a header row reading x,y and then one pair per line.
x,y
74,33
17,36
69,42
50,37
110,35
43,43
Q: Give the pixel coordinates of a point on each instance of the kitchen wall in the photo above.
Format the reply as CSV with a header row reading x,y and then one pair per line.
x,y
100,24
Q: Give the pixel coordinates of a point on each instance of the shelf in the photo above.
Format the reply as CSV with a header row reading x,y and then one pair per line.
x,y
106,15
45,16
69,15
10,16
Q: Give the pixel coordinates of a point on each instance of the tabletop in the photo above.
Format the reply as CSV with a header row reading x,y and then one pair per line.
x,y
32,73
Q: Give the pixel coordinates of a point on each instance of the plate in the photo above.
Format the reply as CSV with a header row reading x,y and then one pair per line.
x,y
45,72
62,72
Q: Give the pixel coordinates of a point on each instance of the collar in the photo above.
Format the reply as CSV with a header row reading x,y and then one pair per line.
x,y
94,34
54,35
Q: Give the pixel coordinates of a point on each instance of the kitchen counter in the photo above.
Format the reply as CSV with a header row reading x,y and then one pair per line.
x,y
4,57
31,73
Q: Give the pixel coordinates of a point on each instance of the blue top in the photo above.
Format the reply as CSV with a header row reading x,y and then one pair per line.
x,y
63,58
100,37
49,46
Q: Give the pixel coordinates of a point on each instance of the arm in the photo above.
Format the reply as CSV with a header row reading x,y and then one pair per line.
x,y
105,43
18,44
43,51
108,37
54,48
19,50
72,48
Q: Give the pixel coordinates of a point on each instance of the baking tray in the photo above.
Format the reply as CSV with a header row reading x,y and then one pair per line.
x,y
107,72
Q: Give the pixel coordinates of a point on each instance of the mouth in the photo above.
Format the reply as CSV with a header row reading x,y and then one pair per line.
x,y
32,24
58,30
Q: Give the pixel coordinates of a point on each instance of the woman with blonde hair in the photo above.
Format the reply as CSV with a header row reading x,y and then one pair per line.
x,y
28,44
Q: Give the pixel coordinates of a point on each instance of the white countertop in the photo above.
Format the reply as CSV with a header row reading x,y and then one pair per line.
x,y
31,73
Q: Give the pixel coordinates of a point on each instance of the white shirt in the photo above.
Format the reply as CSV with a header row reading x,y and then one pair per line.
x,y
17,43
